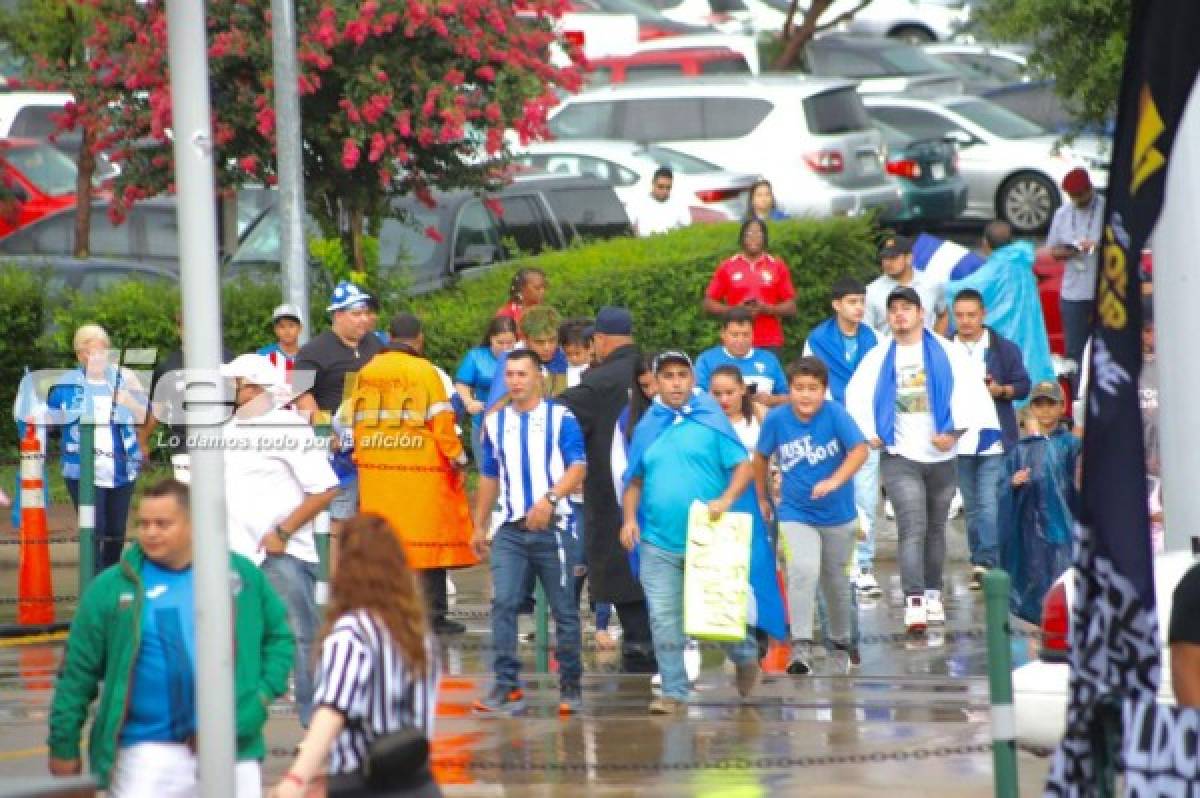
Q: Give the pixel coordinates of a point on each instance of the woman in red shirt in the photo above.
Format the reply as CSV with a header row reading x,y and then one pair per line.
x,y
757,281
528,288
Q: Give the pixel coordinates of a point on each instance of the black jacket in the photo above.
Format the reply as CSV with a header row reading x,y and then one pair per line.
x,y
1006,366
597,402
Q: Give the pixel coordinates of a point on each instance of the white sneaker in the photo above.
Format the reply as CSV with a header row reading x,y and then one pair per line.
x,y
915,616
888,509
867,585
451,590
935,613
691,660
956,506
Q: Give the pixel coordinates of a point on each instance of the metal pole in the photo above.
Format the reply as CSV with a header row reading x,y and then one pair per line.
x,y
541,631
87,497
289,157
999,659
199,279
321,535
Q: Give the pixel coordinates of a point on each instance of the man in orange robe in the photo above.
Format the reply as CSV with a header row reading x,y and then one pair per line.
x,y
410,461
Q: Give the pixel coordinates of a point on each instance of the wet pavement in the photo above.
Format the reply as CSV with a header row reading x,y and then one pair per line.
x,y
912,720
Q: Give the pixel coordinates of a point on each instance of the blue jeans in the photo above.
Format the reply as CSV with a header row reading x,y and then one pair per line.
x,y
981,478
518,556
295,581
112,516
345,504
662,581
866,501
1076,317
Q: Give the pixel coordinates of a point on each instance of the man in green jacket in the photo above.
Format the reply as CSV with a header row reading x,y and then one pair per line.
x,y
135,632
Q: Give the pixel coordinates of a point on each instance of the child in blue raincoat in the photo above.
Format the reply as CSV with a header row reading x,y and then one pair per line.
x,y
1036,520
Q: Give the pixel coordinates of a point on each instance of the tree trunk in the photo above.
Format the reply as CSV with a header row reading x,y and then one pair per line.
x,y
801,35
83,193
790,20
357,254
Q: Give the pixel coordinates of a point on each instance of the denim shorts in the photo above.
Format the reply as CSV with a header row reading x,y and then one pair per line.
x,y
345,504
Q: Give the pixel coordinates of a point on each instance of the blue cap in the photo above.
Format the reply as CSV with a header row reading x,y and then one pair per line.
x,y
613,321
346,296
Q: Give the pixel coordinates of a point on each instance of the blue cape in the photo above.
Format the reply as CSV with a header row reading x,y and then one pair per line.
x,y
1014,309
703,409
825,341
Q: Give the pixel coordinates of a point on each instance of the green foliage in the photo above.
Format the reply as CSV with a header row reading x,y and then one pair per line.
x,y
1078,43
22,316
661,280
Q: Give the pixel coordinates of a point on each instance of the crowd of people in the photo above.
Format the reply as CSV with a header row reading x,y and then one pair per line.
x,y
590,455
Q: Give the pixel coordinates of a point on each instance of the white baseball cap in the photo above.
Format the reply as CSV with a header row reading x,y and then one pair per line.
x,y
286,311
256,370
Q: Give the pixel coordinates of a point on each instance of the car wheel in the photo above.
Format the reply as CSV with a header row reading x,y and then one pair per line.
x,y
913,34
1027,201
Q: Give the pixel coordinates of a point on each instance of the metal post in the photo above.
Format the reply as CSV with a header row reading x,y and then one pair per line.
x,y
321,534
541,632
187,52
290,165
999,659
87,497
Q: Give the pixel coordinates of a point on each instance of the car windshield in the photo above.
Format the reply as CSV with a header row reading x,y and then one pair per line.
x,y
998,120
47,168
905,60
679,163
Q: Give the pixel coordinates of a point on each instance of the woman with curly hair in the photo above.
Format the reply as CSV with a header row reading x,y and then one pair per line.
x,y
378,671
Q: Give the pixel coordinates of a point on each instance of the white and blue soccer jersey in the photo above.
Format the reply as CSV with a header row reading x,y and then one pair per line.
x,y
528,453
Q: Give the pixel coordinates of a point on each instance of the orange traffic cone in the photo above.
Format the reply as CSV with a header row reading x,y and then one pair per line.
x,y
779,652
35,589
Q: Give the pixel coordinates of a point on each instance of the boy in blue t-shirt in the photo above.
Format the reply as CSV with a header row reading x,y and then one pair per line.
x,y
819,447
760,369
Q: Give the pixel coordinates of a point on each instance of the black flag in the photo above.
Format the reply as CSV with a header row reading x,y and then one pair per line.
x,y
1114,633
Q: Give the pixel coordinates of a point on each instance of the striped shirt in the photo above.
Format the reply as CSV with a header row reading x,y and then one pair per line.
x,y
365,678
529,453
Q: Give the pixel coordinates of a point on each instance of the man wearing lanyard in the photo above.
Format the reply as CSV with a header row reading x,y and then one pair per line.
x,y
1073,238
533,459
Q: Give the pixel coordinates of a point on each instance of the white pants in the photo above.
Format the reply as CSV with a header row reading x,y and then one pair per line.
x,y
168,770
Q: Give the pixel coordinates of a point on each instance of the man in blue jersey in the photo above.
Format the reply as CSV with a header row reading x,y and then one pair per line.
x,y
533,459
760,368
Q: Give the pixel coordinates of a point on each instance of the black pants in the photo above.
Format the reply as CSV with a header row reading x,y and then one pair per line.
x,y
433,585
637,646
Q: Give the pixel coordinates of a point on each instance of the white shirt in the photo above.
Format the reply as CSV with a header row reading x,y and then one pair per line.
x,y
1070,226
747,431
272,462
974,360
932,294
649,216
105,460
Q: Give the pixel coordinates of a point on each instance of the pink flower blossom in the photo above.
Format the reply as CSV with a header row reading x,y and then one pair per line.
x,y
487,73
350,154
378,146
248,163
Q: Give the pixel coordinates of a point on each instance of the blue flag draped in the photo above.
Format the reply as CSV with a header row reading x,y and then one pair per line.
x,y
939,384
827,342
703,409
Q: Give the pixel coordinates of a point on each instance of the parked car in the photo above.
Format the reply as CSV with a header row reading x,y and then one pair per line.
x,y
652,24
30,114
810,137
539,213
914,21
984,66
1013,167
654,64
728,16
881,66
746,45
1040,687
629,168
35,179
927,172
88,275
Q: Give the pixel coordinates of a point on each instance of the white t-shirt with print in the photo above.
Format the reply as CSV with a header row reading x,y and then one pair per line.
x,y
102,408
914,417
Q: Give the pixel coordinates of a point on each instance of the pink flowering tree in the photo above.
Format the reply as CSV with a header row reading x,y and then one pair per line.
x,y
397,96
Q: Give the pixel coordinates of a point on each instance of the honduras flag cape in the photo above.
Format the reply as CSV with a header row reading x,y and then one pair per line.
x,y
943,260
767,611
956,403
1014,308
826,342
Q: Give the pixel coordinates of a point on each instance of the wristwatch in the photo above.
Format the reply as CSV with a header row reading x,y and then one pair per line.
x,y
279,533
552,497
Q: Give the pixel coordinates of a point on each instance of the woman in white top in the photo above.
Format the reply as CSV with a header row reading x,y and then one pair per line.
x,y
378,673
729,389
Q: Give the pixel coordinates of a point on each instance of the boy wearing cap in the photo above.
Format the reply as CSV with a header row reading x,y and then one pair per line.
x,y
1072,238
1035,505
895,259
277,479
684,450
325,369
913,397
287,326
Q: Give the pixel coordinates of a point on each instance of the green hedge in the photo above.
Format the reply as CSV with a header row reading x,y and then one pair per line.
x,y
661,280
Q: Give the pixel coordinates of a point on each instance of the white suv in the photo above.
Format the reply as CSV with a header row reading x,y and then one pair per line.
x,y
810,137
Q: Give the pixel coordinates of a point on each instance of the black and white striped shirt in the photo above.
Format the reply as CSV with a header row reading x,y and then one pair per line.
x,y
364,677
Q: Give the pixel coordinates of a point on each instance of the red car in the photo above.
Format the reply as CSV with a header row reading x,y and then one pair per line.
x,y
667,63
1049,271
35,180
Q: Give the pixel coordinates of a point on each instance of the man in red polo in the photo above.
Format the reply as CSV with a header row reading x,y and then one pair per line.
x,y
755,280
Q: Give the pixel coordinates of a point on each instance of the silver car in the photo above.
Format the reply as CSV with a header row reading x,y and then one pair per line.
x,y
810,137
1013,167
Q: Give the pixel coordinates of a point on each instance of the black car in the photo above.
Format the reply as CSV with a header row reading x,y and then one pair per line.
x,y
462,234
